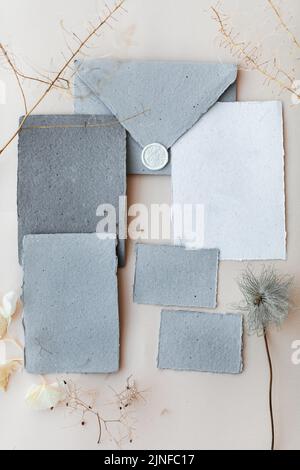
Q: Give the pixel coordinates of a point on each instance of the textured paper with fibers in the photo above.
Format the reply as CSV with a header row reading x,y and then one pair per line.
x,y
203,342
68,166
232,163
172,276
70,297
141,95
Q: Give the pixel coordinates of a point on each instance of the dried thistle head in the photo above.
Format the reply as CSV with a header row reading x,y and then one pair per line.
x,y
266,298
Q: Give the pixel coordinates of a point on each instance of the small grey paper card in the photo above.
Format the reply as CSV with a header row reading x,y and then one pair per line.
x,y
173,276
203,342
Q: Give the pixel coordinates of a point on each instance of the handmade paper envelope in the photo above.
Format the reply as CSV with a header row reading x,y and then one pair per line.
x,y
155,101
68,167
231,163
70,298
203,342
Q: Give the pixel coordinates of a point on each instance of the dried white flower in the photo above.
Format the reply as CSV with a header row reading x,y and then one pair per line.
x,y
6,370
266,298
45,397
7,310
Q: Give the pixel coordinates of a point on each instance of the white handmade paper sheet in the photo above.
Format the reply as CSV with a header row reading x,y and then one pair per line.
x,y
232,164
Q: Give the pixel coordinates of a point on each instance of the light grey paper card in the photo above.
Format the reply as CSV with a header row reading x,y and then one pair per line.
x,y
70,297
141,95
68,167
173,276
203,342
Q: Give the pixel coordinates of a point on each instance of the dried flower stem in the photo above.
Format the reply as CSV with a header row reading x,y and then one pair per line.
x,y
14,342
16,74
44,81
249,55
20,75
77,403
111,123
270,390
129,395
59,75
284,25
266,302
74,402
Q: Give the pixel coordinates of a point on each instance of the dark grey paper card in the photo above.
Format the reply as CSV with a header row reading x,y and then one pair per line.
x,y
141,95
203,342
173,276
70,297
68,166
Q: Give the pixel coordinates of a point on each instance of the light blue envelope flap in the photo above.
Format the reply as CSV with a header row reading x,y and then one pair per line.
x,y
155,101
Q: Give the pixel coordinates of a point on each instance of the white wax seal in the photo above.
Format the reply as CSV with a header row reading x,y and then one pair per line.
x,y
155,157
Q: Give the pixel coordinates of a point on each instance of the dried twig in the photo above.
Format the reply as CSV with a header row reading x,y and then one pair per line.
x,y
130,395
251,56
283,24
59,76
43,79
16,74
111,123
75,402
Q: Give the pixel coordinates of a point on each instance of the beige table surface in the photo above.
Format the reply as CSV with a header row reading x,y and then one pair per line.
x,y
181,410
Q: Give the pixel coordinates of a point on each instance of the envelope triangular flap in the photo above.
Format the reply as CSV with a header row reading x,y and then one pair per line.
x,y
157,101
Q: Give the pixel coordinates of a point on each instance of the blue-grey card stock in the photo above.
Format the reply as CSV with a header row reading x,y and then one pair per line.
x,y
173,276
70,297
156,101
203,342
69,166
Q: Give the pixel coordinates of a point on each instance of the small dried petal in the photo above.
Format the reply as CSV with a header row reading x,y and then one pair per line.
x,y
6,370
9,304
45,397
7,310
3,326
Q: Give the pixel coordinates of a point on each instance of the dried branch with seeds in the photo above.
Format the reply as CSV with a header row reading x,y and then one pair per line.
x,y
76,400
252,56
60,78
283,23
